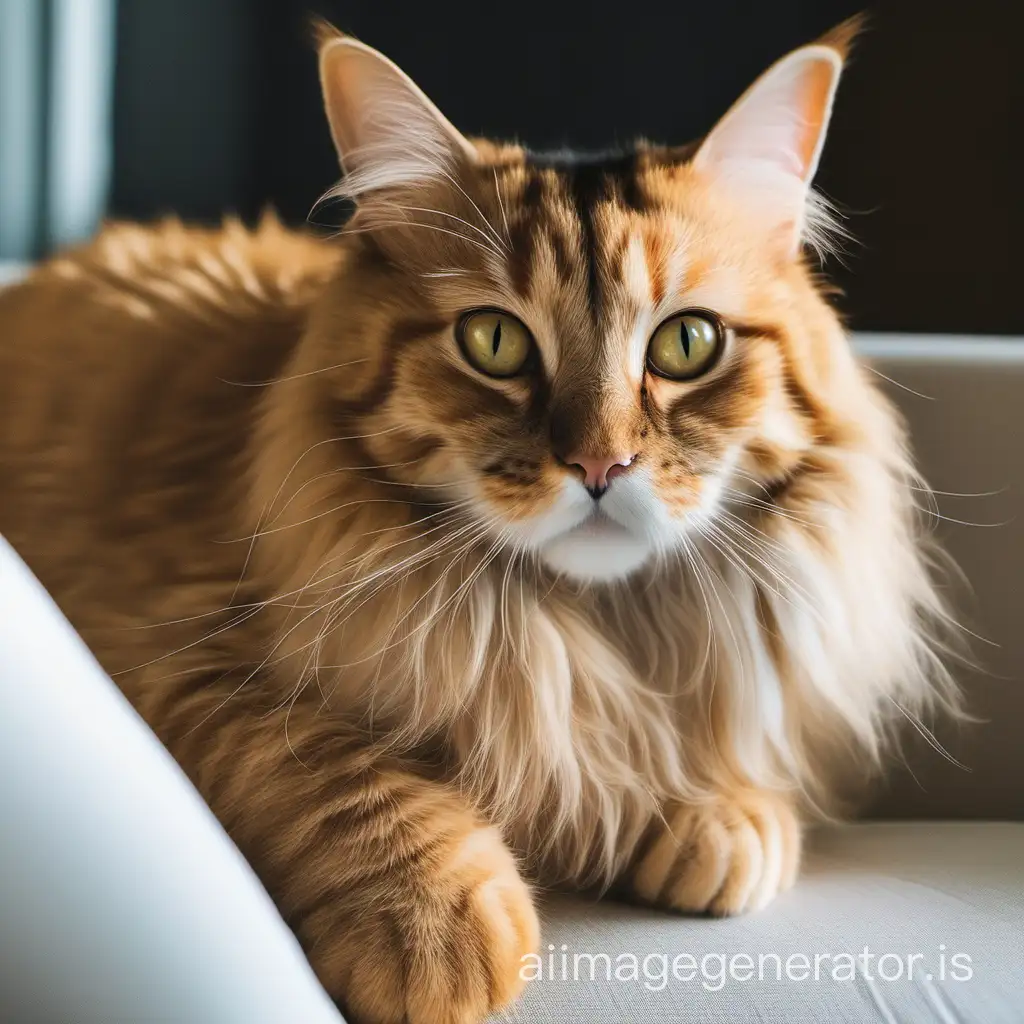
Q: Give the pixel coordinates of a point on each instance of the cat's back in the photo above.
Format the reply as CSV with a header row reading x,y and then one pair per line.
x,y
129,373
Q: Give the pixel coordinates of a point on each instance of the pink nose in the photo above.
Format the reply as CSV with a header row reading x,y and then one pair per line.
x,y
599,470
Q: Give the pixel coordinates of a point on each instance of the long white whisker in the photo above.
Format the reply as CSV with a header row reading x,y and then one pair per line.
x,y
294,376
455,217
480,212
501,206
377,226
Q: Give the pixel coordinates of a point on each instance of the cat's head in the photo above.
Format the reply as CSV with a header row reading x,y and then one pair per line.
x,y
593,355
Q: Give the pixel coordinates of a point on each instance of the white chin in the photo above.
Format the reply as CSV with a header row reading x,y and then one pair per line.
x,y
597,550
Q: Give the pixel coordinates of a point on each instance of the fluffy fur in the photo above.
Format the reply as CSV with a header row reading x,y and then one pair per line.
x,y
359,589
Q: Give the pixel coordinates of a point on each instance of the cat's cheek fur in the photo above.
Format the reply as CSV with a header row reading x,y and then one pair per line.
x,y
566,507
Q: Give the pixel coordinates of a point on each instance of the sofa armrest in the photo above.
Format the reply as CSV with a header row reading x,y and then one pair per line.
x,y
121,897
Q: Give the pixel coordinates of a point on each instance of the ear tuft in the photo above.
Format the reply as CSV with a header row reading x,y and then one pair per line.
x,y
844,35
323,32
387,132
767,147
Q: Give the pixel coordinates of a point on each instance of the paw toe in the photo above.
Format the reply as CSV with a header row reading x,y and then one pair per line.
x,y
723,858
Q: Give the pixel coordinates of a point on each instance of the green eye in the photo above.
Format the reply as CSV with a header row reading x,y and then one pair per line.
x,y
495,343
686,345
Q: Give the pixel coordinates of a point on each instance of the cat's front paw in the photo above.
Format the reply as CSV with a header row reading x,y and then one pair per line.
x,y
728,856
450,951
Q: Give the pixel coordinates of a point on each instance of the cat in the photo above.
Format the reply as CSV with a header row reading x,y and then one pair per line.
x,y
540,528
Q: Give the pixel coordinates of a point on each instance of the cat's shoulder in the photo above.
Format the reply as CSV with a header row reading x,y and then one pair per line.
x,y
150,270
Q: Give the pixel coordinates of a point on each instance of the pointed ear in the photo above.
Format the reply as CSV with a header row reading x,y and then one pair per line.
x,y
386,131
768,145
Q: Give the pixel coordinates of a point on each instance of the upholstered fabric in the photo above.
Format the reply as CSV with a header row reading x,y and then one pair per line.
x,y
901,890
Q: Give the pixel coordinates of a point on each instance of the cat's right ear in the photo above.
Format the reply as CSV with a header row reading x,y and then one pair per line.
x,y
768,145
387,132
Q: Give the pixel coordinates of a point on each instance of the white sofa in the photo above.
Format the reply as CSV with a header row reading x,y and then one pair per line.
x,y
121,898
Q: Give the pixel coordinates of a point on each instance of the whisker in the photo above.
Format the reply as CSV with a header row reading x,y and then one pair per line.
x,y
377,226
501,206
480,213
475,535
294,376
294,466
189,646
455,217
334,471
896,383
926,733
960,522
330,511
959,494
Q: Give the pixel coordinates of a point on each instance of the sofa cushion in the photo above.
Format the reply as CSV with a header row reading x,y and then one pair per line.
x,y
882,899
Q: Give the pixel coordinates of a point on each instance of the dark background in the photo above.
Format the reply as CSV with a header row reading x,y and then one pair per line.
x,y
217,109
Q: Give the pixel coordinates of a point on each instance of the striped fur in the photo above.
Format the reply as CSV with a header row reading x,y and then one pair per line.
x,y
348,581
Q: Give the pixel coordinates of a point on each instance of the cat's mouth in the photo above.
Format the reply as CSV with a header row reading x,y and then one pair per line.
x,y
599,525
599,548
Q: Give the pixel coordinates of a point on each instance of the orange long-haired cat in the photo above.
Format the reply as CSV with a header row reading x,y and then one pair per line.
x,y
540,528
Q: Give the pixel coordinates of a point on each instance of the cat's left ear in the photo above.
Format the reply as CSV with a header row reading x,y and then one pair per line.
x,y
767,146
386,130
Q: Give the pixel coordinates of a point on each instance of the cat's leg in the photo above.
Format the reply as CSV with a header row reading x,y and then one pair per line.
x,y
731,854
410,908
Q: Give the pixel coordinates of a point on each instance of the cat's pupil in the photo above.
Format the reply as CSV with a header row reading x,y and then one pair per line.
x,y
496,341
684,338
